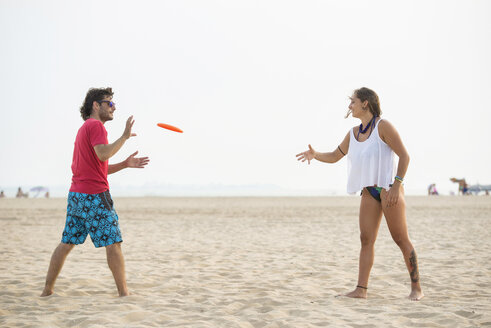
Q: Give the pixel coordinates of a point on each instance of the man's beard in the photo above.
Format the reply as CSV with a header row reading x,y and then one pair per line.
x,y
106,117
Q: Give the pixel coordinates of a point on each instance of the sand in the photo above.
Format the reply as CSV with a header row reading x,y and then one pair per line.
x,y
248,262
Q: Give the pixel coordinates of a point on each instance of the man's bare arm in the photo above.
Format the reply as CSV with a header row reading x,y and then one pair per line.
x,y
105,152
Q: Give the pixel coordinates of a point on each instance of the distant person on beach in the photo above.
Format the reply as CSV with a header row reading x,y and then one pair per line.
x,y
2,194
463,186
432,189
90,207
21,194
370,148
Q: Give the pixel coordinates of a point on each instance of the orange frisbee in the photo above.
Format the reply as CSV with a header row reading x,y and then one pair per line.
x,y
169,127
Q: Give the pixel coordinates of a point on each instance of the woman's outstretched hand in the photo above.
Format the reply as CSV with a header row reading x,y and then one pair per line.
x,y
306,155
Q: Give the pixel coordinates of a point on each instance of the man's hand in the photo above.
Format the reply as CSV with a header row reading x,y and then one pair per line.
x,y
127,131
136,162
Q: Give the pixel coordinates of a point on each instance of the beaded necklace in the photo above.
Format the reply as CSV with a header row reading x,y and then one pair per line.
x,y
363,131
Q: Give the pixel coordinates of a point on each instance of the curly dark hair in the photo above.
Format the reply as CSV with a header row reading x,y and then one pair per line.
x,y
94,94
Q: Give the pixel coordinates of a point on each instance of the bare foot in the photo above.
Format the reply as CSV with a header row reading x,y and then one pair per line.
x,y
46,292
125,293
357,293
416,295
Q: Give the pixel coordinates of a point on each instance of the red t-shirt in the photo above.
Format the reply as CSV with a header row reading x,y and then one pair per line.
x,y
89,172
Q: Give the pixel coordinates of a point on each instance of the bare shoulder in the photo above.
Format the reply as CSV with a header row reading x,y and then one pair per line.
x,y
384,123
385,126
387,131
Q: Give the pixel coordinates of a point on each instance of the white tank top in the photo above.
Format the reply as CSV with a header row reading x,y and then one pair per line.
x,y
370,162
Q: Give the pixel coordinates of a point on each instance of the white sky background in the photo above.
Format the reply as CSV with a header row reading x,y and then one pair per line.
x,y
251,83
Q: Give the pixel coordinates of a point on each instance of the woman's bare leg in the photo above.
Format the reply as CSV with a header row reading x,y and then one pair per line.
x,y
370,217
396,221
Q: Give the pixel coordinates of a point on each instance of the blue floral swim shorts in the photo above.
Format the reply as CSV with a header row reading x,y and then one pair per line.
x,y
92,214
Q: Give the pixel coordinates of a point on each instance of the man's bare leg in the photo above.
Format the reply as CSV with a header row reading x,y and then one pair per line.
x,y
55,265
115,260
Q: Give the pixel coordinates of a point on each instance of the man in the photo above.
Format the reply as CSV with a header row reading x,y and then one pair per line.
x,y
90,207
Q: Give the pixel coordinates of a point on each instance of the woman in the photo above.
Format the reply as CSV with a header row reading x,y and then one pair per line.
x,y
370,148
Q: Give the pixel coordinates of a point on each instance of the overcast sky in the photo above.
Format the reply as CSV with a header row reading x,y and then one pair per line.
x,y
251,83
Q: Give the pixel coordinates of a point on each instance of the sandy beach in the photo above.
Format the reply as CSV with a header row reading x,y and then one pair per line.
x,y
248,262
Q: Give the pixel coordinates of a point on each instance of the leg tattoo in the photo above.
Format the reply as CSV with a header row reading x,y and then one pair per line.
x,y
414,267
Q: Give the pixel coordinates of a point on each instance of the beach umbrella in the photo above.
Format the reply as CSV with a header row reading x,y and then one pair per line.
x,y
37,190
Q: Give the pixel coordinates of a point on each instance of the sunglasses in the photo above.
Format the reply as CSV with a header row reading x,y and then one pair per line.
x,y
110,103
